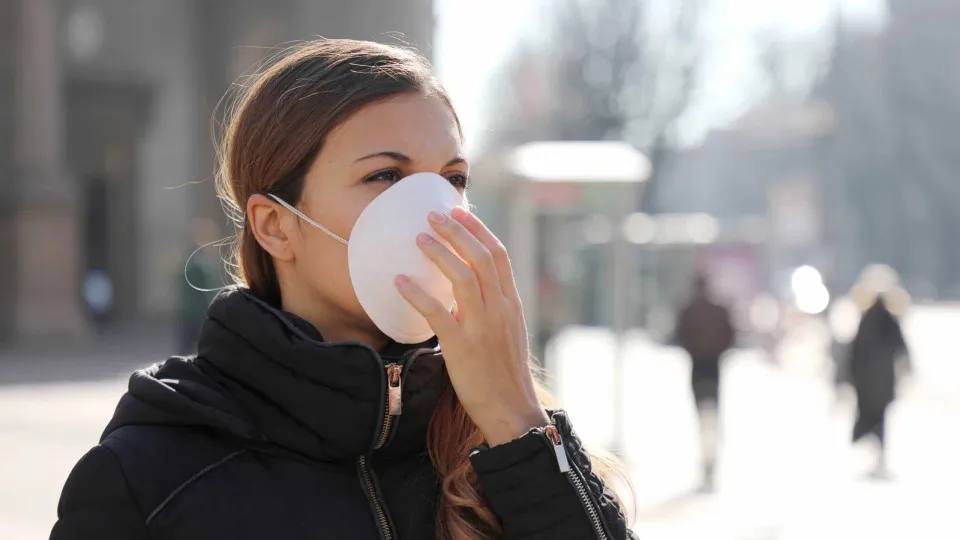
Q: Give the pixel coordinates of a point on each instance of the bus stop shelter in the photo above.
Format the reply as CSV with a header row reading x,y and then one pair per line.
x,y
614,167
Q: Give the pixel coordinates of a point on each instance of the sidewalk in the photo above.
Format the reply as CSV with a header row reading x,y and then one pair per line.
x,y
787,469
106,356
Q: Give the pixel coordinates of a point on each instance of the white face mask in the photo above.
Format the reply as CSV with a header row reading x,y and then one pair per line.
x,y
383,244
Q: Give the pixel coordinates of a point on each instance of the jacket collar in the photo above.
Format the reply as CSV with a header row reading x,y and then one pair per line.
x,y
326,401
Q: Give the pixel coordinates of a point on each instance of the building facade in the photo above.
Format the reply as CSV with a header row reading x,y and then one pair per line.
x,y
105,139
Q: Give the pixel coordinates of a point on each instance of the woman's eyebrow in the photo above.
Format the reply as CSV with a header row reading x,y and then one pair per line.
x,y
398,156
390,154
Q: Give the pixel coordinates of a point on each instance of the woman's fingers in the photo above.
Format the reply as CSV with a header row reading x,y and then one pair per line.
x,y
466,288
440,319
472,251
498,252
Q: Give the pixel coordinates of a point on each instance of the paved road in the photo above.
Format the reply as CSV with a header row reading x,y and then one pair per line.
x,y
786,469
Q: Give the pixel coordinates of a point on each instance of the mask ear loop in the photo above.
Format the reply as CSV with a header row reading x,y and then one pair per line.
x,y
218,243
303,216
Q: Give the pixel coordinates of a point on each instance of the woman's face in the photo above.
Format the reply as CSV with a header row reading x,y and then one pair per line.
x,y
374,148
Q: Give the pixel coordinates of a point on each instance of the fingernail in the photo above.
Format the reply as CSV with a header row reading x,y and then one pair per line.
x,y
437,217
402,280
424,239
459,213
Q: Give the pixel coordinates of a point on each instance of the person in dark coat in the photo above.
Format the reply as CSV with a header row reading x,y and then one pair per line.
x,y
298,418
705,331
873,357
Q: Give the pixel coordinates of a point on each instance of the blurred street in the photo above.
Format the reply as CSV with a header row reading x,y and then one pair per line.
x,y
786,470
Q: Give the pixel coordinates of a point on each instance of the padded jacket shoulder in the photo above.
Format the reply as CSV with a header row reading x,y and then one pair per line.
x,y
99,492
187,454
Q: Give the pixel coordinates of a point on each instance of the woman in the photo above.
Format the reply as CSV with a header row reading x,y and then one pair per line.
x,y
281,426
874,353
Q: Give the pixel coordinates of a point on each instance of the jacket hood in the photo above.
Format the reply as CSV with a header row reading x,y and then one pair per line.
x,y
267,376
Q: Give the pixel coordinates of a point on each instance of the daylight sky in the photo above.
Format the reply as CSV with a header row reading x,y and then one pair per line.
x,y
474,38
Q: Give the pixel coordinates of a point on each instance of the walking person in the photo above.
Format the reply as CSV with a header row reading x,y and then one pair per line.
x,y
705,331
362,381
874,354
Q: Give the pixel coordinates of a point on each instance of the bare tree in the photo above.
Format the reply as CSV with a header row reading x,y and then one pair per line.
x,y
626,70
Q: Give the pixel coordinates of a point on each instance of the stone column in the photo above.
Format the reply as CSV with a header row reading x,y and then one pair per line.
x,y
45,218
9,10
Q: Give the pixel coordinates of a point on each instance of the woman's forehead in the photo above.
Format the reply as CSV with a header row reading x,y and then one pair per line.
x,y
421,127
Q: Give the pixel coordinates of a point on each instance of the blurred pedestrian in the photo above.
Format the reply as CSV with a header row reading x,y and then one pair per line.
x,y
98,298
705,331
320,403
874,353
200,281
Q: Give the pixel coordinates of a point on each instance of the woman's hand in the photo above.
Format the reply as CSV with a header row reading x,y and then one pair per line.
x,y
485,341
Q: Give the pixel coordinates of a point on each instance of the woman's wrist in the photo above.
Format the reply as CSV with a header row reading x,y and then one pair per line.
x,y
514,424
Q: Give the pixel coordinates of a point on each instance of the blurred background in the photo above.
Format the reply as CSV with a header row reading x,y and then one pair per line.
x,y
701,197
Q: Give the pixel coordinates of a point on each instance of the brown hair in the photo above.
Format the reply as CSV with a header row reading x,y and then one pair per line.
x,y
272,133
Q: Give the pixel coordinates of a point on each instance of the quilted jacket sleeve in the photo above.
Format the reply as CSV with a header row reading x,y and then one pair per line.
x,y
542,486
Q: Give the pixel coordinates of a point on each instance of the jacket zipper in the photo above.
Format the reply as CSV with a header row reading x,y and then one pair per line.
x,y
385,531
394,402
393,407
553,436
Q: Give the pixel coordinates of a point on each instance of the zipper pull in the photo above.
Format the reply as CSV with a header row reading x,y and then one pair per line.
x,y
394,390
553,435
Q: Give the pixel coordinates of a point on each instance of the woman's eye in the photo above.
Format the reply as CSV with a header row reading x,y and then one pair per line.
x,y
384,176
459,181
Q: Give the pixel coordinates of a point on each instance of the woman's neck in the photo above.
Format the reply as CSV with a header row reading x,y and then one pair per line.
x,y
332,324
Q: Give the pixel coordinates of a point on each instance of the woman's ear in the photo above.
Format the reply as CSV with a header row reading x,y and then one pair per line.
x,y
270,224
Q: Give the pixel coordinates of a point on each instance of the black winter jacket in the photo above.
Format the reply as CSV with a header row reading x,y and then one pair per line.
x,y
271,433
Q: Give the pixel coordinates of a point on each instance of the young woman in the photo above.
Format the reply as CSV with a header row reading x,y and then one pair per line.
x,y
299,418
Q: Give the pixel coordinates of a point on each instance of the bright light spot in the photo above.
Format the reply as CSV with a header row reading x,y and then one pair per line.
x,y
805,276
703,229
809,292
671,229
639,228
